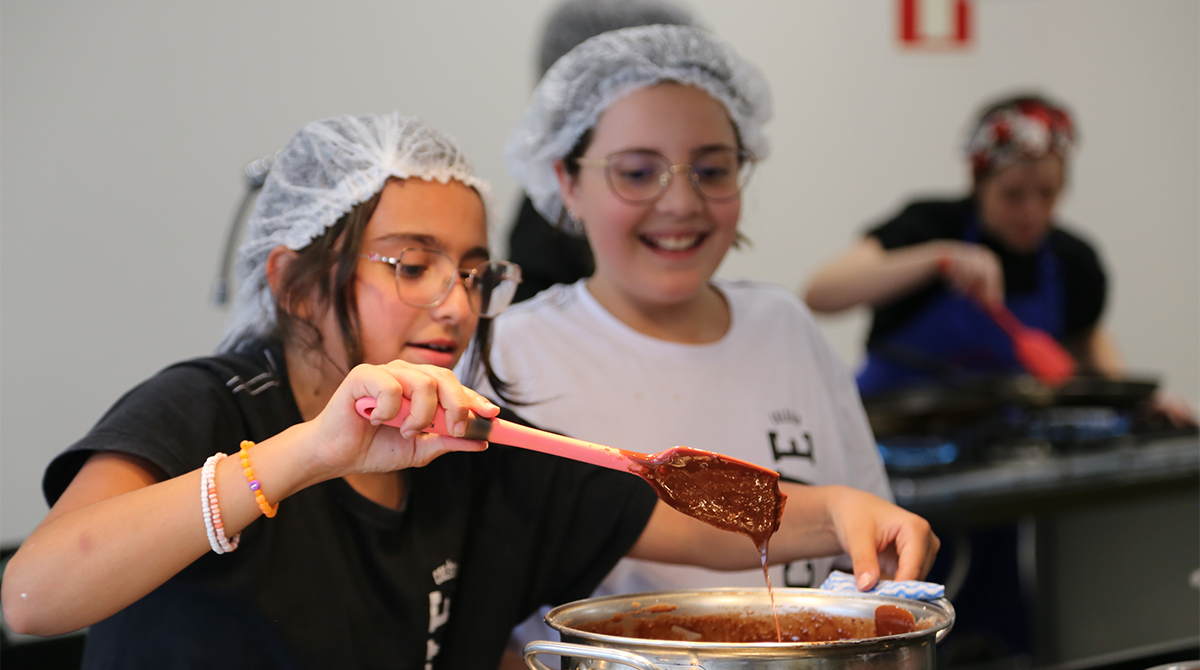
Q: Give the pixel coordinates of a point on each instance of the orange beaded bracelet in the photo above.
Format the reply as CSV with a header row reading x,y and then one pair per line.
x,y
255,487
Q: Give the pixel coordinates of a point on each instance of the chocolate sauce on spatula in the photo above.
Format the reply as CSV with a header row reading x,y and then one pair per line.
x,y
718,490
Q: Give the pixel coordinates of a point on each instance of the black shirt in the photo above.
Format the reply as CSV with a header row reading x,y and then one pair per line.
x,y
547,255
1084,282
334,580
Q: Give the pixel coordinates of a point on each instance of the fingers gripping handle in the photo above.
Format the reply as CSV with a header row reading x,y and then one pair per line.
x,y
477,427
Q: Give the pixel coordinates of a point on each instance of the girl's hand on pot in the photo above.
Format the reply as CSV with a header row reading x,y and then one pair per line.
x,y
884,541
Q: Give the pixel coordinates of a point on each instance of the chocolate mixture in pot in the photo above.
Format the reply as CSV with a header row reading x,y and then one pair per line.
x,y
803,626
800,626
892,620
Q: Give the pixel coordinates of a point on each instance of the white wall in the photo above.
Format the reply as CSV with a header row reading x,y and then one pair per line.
x,y
125,126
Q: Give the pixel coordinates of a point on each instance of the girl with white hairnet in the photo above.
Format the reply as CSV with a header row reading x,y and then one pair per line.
x,y
365,273
546,253
642,139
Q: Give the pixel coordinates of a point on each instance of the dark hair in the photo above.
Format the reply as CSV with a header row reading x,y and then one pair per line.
x,y
574,21
571,160
326,270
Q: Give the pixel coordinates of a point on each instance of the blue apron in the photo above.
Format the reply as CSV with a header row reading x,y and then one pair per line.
x,y
952,336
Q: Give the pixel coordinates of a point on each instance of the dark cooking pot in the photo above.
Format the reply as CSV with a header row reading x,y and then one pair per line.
x,y
595,651
942,407
1103,392
930,409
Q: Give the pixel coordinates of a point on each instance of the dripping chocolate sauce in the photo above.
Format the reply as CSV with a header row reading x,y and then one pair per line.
x,y
724,492
744,498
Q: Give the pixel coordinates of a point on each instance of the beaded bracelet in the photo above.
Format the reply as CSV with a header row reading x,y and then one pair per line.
x,y
213,526
204,507
255,486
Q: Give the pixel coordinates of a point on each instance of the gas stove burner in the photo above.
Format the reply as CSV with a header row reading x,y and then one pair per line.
x,y
1077,425
917,452
940,427
1010,434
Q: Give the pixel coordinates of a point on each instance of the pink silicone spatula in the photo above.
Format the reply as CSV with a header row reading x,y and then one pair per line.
x,y
516,435
720,490
1036,350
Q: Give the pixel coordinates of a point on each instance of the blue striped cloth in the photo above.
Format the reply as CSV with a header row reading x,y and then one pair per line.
x,y
913,590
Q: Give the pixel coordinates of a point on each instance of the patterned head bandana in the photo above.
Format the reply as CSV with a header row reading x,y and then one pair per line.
x,y
1023,127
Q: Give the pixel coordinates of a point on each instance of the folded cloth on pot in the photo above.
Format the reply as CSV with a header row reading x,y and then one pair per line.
x,y
911,589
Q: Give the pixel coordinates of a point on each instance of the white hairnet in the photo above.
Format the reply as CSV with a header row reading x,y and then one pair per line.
x,y
325,170
576,20
593,75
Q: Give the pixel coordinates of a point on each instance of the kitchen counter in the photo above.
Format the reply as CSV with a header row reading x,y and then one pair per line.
x,y
1113,522
1045,479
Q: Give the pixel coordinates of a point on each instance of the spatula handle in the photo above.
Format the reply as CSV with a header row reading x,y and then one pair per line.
x,y
1004,318
514,435
1036,350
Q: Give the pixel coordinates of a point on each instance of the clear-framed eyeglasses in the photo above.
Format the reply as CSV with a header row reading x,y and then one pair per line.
x,y
638,176
425,277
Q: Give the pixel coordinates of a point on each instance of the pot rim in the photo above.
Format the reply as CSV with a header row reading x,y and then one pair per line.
x,y
940,609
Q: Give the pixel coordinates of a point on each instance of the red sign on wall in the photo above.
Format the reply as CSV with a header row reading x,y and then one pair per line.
x,y
936,24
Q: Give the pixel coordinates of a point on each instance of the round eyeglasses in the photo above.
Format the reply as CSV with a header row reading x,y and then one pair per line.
x,y
640,176
425,277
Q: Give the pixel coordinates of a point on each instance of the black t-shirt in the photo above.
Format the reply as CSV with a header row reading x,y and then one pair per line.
x,y
547,255
1083,277
334,580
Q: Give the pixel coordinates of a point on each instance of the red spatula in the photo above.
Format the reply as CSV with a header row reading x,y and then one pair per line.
x,y
726,492
1036,350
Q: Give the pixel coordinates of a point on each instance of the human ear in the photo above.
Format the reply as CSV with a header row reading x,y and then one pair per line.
x,y
567,186
278,261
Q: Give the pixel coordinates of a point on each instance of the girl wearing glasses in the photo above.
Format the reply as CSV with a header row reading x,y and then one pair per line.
x,y
643,139
365,273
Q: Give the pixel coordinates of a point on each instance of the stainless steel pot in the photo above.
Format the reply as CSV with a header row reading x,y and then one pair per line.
x,y
593,651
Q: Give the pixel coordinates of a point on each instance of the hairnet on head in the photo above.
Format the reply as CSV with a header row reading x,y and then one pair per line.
x,y
605,68
576,20
325,170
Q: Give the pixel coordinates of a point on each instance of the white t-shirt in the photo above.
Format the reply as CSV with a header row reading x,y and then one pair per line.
x,y
771,391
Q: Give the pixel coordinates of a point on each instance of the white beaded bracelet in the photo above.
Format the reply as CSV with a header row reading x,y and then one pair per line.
x,y
209,466
213,525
